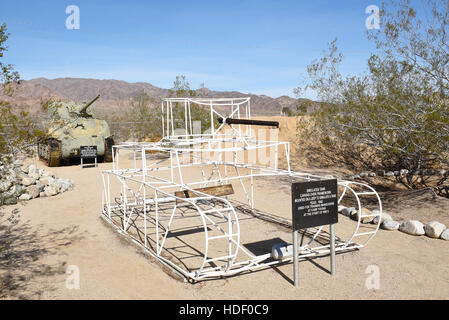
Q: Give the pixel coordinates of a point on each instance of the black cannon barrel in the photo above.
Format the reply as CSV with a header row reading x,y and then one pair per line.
x,y
250,122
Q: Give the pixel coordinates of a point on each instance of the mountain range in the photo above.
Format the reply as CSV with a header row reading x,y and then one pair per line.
x,y
117,94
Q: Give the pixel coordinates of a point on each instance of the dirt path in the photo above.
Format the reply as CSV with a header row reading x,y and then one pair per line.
x,y
66,230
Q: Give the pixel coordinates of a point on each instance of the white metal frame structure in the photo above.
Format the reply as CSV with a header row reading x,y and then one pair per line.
x,y
140,201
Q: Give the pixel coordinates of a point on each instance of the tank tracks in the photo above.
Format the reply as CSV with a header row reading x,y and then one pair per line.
x,y
50,152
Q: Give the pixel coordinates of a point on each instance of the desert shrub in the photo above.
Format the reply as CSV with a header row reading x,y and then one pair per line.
x,y
396,114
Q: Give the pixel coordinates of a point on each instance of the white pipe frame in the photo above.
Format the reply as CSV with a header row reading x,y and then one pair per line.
x,y
154,190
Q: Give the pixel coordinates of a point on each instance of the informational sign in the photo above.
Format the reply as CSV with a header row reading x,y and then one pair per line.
x,y
314,203
88,152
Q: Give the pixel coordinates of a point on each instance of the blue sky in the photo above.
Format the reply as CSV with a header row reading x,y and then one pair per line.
x,y
260,47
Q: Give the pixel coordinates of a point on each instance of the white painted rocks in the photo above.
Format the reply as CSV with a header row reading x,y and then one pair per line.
x,y
445,235
348,212
390,225
26,182
385,217
434,229
412,227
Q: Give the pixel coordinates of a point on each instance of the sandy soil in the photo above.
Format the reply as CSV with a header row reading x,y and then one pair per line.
x,y
66,230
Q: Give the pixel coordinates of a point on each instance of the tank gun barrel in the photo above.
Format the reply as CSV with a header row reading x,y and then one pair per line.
x,y
83,110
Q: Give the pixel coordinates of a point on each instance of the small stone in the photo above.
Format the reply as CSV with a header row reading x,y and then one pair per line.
x,y
48,174
10,200
397,173
348,212
32,169
445,235
385,217
40,186
412,227
403,172
390,225
357,176
389,174
364,174
5,185
18,163
372,174
340,208
25,197
34,175
24,168
434,229
42,195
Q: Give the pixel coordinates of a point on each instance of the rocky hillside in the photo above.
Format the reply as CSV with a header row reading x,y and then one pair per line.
x,y
117,93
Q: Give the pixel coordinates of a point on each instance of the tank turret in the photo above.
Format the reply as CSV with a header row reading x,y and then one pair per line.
x,y
70,126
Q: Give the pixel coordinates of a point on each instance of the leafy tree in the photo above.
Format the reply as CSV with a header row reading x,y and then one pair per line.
x,y
396,114
147,118
18,130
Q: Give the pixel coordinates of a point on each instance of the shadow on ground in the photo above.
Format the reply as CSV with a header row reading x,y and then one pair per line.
x,y
22,254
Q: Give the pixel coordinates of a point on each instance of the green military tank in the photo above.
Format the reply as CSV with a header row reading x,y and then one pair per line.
x,y
71,126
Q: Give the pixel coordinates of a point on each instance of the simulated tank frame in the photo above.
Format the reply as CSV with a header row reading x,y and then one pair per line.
x,y
144,202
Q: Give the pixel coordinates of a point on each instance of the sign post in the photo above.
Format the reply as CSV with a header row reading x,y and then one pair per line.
x,y
314,204
88,152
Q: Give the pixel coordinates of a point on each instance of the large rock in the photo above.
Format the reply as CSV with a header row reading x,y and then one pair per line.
x,y
412,227
390,225
25,197
47,181
385,217
50,191
445,235
28,181
434,229
34,191
66,184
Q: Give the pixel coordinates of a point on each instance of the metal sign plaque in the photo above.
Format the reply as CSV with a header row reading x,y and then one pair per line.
x,y
88,151
314,203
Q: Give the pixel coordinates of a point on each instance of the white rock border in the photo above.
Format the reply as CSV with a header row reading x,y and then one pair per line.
x,y
433,229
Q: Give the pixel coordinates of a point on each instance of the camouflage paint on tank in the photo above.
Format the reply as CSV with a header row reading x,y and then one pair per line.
x,y
74,126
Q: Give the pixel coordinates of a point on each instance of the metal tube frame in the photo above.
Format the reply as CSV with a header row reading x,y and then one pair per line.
x,y
154,190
